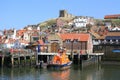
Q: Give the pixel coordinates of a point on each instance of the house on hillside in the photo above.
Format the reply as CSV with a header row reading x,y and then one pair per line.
x,y
10,33
20,44
35,36
108,23
114,16
7,43
12,43
82,21
115,29
31,27
20,33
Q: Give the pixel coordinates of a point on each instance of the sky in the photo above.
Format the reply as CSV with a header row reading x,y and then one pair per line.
x,y
20,13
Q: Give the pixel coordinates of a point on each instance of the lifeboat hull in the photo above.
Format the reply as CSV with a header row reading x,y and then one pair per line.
x,y
59,66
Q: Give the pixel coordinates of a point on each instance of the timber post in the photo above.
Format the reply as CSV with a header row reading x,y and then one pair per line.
x,y
12,60
19,59
30,59
24,60
3,60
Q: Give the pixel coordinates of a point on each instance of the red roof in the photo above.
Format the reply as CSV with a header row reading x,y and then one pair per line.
x,y
21,32
72,36
40,42
116,16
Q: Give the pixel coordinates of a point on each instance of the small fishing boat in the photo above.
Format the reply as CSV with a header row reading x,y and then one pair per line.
x,y
60,61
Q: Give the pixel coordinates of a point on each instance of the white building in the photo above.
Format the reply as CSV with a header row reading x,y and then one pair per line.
x,y
1,32
108,24
82,21
12,43
115,29
7,43
26,36
20,44
11,34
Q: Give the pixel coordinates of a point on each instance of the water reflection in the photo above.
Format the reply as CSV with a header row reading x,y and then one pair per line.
x,y
61,75
16,73
93,72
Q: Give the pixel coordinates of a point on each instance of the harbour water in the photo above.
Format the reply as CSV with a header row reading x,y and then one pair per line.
x,y
92,72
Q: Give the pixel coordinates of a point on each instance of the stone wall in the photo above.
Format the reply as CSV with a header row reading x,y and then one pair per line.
x,y
64,13
109,55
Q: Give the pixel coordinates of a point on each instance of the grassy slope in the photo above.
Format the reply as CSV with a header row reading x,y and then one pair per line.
x,y
49,22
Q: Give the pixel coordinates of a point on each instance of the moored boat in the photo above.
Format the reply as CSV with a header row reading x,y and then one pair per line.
x,y
59,66
60,61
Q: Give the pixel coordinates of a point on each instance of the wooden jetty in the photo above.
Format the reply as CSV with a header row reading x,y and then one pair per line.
x,y
23,57
78,59
17,57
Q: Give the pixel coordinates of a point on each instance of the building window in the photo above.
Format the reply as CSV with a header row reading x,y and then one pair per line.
x,y
118,40
75,41
111,41
108,40
68,41
35,38
114,40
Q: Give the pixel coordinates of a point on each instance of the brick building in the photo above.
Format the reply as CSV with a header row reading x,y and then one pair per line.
x,y
77,42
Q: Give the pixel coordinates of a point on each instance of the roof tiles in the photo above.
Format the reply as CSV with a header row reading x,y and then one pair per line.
x,y
72,36
116,16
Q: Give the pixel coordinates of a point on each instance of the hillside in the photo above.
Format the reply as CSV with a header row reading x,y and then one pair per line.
x,y
50,22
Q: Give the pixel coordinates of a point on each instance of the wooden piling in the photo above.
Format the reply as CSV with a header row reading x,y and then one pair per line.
x,y
18,60
48,58
12,61
79,58
36,58
3,60
81,63
24,60
30,59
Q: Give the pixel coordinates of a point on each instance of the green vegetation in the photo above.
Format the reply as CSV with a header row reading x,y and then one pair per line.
x,y
116,22
50,22
47,23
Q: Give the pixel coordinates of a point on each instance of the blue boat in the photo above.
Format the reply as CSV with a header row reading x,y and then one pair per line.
x,y
59,66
